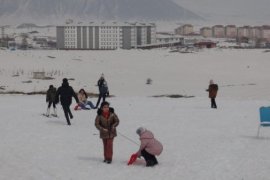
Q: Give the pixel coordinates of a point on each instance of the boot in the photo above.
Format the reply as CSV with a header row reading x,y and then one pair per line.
x,y
151,163
67,118
55,112
48,112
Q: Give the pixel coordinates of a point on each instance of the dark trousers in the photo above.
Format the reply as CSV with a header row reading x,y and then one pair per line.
x,y
213,103
108,149
51,103
103,96
67,113
149,158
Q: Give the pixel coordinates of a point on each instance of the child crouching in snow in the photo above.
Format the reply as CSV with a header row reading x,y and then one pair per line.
x,y
149,148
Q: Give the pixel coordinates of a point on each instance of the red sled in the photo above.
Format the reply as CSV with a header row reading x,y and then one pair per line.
x,y
77,107
132,159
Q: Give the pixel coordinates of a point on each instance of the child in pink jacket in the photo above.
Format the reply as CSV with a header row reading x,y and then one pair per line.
x,y
149,148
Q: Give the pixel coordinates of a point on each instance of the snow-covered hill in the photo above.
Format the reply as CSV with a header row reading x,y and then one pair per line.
x,y
51,10
239,12
172,73
199,142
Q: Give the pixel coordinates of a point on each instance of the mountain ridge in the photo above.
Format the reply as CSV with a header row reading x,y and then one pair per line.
x,y
40,10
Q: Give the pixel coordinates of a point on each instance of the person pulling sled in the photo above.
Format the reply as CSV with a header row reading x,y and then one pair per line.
x,y
149,148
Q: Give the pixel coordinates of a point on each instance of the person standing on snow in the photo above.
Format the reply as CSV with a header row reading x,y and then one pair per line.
x,y
50,99
106,122
212,89
66,93
149,148
103,89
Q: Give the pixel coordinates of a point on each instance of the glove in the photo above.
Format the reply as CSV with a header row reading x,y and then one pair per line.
x,y
108,94
132,159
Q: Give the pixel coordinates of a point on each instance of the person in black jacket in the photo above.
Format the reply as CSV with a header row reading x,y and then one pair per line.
x,y
103,89
50,99
66,92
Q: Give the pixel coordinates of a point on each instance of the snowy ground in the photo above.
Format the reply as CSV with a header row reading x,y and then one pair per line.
x,y
239,73
199,142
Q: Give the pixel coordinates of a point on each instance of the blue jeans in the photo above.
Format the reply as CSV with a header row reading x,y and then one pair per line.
x,y
83,105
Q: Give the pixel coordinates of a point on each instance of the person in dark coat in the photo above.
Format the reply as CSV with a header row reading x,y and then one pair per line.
x,y
66,93
106,122
212,89
103,89
50,99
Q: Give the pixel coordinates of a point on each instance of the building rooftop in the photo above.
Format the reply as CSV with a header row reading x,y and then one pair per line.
x,y
105,24
218,26
205,28
231,26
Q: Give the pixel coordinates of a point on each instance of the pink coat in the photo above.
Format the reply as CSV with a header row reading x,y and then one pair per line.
x,y
149,143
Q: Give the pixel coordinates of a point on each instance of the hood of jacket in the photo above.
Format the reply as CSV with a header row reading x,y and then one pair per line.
x,y
65,84
147,135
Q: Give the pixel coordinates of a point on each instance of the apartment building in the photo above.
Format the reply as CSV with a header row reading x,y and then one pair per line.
x,y
230,31
186,29
206,32
218,31
255,32
265,32
243,32
105,36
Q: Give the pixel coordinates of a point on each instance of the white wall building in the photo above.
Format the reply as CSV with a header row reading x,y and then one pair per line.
x,y
105,36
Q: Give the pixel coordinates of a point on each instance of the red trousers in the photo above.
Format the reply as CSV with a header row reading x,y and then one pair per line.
x,y
108,148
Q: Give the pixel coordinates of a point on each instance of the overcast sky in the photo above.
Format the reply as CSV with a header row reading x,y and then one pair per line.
x,y
230,10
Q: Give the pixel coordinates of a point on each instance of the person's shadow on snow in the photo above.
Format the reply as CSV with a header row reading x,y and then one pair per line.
x,y
59,122
256,137
89,158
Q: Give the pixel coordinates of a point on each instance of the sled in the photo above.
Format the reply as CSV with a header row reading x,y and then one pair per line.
x,y
132,159
77,107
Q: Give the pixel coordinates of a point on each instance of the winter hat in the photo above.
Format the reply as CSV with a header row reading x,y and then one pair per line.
x,y
211,81
140,130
